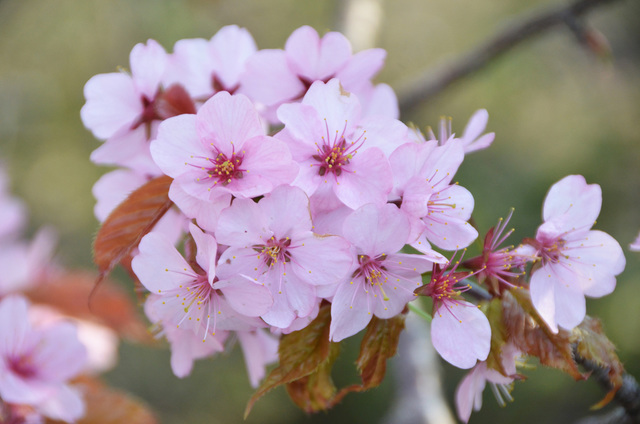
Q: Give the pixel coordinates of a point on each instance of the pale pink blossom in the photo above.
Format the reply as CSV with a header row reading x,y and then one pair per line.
x,y
37,362
205,67
472,138
469,391
337,148
460,332
197,300
439,210
223,149
125,109
575,261
186,346
276,76
272,242
381,280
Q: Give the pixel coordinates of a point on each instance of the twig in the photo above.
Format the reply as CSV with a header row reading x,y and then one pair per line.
x,y
628,395
431,83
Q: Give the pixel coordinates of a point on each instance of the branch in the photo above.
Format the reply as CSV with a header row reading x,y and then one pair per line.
x,y
431,83
628,395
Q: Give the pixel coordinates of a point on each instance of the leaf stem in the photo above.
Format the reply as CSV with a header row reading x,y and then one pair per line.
x,y
422,314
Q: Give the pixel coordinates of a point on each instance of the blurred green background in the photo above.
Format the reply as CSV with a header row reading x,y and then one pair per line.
x,y
556,109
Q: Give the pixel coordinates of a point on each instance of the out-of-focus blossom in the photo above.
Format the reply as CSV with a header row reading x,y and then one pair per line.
x,y
575,261
125,109
260,349
36,363
205,67
277,76
469,391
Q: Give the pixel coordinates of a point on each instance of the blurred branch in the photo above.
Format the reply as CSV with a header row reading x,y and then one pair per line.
x,y
418,398
432,83
628,395
359,21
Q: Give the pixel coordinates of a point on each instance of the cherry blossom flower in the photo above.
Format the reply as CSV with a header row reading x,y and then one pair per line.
x,y
222,150
335,147
471,139
37,362
205,67
196,300
272,242
277,76
460,332
186,346
382,280
574,260
499,267
125,109
439,210
469,391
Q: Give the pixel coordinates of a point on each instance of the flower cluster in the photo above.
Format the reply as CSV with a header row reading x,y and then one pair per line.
x,y
39,352
295,186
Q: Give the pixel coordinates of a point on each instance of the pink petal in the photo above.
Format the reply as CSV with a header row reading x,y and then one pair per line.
x,y
259,349
230,49
206,250
367,180
376,230
476,125
303,129
350,310
556,298
243,224
60,355
15,324
178,145
461,336
245,297
191,66
362,67
205,212
322,260
469,392
112,104
65,404
112,188
228,121
339,108
572,204
129,148
287,211
148,64
381,100
268,78
159,266
387,134
269,165
316,59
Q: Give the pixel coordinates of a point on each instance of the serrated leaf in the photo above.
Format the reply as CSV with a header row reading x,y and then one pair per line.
x,y
123,229
494,314
528,332
594,346
316,391
69,293
105,405
379,344
300,353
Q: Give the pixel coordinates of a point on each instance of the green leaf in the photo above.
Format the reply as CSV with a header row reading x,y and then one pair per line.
x,y
301,353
